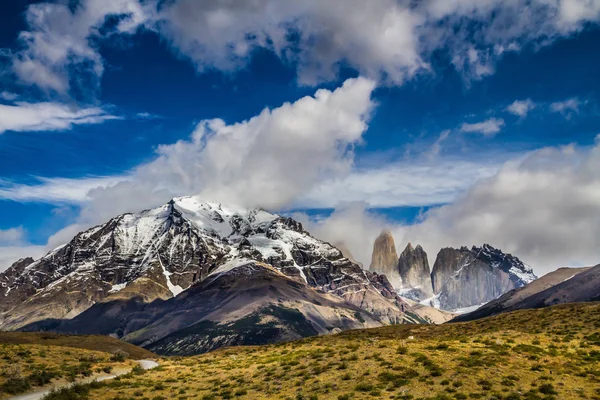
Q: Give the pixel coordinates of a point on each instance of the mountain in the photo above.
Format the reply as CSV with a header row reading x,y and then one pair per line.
x,y
415,274
465,277
565,285
384,259
190,267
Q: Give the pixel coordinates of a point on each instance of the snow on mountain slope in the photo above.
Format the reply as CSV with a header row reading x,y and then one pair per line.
x,y
159,253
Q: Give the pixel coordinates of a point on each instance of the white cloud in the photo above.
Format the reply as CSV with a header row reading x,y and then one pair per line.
x,y
57,190
436,148
567,107
386,40
13,246
11,236
48,117
544,208
8,96
521,108
59,39
409,183
487,128
351,224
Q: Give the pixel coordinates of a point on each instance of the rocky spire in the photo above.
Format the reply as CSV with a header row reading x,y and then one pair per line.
x,y
414,271
385,259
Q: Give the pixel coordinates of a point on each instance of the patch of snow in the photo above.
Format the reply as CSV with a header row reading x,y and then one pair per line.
x,y
466,310
433,301
117,288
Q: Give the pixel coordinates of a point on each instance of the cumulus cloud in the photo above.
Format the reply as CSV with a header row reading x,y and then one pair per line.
x,y
386,40
269,160
13,246
353,225
544,208
48,116
521,108
10,254
11,236
59,38
487,128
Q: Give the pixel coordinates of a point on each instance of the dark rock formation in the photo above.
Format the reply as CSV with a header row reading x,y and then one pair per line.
x,y
465,278
415,274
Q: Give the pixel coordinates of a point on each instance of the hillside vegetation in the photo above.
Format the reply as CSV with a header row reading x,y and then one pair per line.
x,y
551,353
29,367
101,343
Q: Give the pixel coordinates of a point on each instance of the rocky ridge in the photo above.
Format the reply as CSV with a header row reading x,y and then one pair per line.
x,y
155,256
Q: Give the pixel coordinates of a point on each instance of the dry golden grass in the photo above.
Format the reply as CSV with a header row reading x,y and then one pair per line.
x,y
106,344
26,367
552,353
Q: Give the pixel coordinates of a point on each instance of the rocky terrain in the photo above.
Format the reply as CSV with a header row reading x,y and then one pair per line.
x,y
460,279
465,277
193,267
565,285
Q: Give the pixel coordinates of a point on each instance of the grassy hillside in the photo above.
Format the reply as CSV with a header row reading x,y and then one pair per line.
x,y
551,353
88,342
28,367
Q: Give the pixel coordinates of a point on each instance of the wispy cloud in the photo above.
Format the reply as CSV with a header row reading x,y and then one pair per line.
x,y
48,116
487,128
8,96
567,107
521,108
57,190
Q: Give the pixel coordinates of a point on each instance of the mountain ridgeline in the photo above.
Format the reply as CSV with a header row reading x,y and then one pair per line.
x,y
460,278
192,276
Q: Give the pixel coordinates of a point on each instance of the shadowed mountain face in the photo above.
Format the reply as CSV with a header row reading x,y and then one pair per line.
x,y
565,285
123,277
415,275
469,277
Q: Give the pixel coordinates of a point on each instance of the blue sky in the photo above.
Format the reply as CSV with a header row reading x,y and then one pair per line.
x,y
92,93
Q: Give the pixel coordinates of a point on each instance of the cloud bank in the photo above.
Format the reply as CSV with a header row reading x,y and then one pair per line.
x,y
544,208
385,40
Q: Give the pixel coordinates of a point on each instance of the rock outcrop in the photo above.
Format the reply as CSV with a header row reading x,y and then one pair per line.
x,y
385,259
415,274
465,278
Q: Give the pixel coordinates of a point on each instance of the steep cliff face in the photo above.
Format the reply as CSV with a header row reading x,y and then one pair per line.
x,y
415,274
464,278
385,259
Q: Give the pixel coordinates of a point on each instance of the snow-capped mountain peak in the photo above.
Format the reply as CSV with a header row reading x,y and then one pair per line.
x,y
161,252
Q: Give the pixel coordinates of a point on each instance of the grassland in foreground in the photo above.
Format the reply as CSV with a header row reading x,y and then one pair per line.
x,y
32,361
552,353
